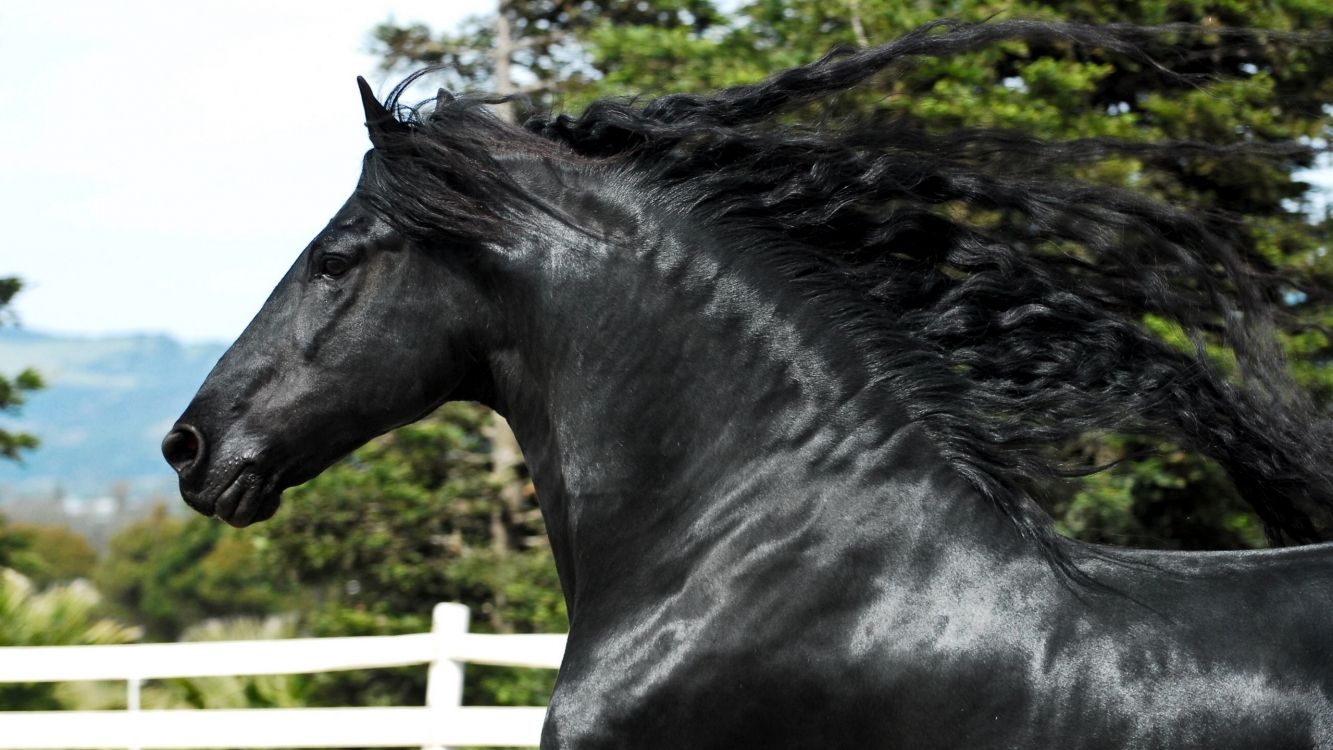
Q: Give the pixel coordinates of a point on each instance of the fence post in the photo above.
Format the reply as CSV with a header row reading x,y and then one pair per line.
x,y
444,679
133,686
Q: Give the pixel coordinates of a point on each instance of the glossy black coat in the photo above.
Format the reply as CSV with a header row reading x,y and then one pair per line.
x,y
757,547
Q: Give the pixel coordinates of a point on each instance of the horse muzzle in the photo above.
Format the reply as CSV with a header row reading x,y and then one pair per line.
x,y
234,489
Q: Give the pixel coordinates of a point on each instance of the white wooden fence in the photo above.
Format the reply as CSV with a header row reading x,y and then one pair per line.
x,y
442,721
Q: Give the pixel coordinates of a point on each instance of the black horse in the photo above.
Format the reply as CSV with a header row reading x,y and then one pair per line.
x,y
784,412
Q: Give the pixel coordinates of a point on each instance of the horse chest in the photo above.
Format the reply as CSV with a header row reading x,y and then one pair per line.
x,y
807,674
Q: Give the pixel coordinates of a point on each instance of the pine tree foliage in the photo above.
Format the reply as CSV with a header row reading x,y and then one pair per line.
x,y
13,388
531,47
167,572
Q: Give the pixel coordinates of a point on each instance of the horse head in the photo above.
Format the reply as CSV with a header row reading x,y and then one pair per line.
x,y
367,331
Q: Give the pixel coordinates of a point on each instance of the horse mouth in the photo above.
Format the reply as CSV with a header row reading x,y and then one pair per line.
x,y
248,499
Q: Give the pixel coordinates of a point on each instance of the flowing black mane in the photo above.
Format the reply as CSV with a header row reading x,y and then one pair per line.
x,y
1004,302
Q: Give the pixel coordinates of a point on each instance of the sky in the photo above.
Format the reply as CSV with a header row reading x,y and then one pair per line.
x,y
163,163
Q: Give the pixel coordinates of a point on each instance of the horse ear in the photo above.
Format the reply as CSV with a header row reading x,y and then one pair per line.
x,y
379,121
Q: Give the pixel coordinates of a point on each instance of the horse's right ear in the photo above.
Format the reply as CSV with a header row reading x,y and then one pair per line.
x,y
379,121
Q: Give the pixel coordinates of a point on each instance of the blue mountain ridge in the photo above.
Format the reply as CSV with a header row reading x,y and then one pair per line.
x,y
107,404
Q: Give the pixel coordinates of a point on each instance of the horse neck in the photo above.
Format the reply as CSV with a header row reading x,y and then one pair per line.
x,y
666,389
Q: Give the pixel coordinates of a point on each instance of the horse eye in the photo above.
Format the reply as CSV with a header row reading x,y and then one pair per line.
x,y
333,266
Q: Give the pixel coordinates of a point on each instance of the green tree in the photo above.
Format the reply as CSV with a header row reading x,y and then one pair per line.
x,y
418,517
15,546
168,573
54,554
14,387
532,47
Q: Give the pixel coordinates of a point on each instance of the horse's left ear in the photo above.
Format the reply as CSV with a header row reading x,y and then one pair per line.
x,y
379,121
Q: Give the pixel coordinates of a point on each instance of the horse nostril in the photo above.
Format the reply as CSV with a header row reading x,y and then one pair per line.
x,y
182,447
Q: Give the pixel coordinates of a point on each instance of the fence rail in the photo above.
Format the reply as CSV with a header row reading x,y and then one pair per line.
x,y
441,722
272,728
151,661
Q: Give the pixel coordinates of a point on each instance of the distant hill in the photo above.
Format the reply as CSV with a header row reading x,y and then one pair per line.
x,y
108,402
